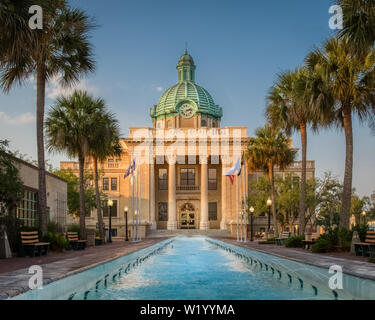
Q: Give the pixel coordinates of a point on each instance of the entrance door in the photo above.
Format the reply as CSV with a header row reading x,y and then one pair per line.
x,y
187,217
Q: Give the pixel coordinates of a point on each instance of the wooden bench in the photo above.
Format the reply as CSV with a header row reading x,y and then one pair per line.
x,y
367,248
281,240
74,242
30,244
309,242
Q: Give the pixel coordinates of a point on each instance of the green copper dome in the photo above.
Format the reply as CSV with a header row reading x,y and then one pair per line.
x,y
186,91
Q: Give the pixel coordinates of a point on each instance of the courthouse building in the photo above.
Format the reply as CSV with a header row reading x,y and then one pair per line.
x,y
181,161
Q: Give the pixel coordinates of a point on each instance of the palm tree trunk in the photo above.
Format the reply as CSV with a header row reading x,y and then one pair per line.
x,y
273,198
348,176
98,202
40,102
302,200
82,210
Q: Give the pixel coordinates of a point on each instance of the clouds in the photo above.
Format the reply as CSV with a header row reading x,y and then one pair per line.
x,y
22,119
54,89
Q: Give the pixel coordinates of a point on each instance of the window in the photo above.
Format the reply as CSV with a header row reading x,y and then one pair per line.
x,y
105,184
105,209
27,209
163,179
163,211
212,181
187,177
212,211
169,124
203,123
114,232
113,184
213,124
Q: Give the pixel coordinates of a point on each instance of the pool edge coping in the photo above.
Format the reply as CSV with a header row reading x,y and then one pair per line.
x,y
16,291
362,276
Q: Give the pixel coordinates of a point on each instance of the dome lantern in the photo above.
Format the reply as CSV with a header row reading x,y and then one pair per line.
x,y
186,68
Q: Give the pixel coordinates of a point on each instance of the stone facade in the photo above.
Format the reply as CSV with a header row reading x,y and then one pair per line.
x,y
181,164
56,189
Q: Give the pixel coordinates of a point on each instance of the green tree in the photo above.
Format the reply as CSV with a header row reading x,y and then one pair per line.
x,y
60,48
259,192
268,149
104,142
70,125
358,23
328,200
350,81
11,186
73,191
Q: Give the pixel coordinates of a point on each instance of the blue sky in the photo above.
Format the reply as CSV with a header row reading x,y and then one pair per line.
x,y
238,47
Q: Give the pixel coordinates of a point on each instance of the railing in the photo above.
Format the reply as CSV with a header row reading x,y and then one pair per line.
x,y
187,188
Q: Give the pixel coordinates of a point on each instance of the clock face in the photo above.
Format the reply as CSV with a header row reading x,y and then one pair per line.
x,y
186,110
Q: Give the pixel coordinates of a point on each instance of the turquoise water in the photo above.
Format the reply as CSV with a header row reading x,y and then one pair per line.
x,y
200,268
192,268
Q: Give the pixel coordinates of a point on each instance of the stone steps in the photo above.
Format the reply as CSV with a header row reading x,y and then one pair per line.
x,y
191,232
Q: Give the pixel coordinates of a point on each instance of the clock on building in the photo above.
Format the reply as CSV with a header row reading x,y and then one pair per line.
x,y
186,110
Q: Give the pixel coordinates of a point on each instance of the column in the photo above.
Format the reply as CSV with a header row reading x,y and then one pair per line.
x,y
172,221
152,195
204,224
223,201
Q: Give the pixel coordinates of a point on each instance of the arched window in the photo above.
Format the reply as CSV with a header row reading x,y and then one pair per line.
x,y
213,124
203,123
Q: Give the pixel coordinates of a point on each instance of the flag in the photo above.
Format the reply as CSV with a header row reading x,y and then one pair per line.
x,y
130,170
235,170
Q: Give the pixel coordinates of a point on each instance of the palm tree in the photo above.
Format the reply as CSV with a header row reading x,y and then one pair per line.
x,y
358,23
70,126
61,48
291,108
104,142
268,149
350,80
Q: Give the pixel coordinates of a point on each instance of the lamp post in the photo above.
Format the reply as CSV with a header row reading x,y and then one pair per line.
x,y
110,204
269,204
251,223
126,209
364,217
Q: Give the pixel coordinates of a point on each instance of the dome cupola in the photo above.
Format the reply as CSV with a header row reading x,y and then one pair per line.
x,y
186,99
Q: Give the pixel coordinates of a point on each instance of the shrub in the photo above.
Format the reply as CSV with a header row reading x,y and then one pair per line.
x,y
57,241
334,238
362,231
294,242
322,245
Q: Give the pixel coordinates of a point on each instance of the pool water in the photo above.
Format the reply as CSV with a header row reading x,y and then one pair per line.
x,y
201,268
192,268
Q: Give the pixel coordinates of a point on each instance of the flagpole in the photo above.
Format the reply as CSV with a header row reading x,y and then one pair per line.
x,y
241,216
139,206
137,217
245,202
133,199
237,209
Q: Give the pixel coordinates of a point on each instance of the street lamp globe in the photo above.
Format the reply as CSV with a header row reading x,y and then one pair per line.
x,y
269,202
126,209
252,209
363,213
110,203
